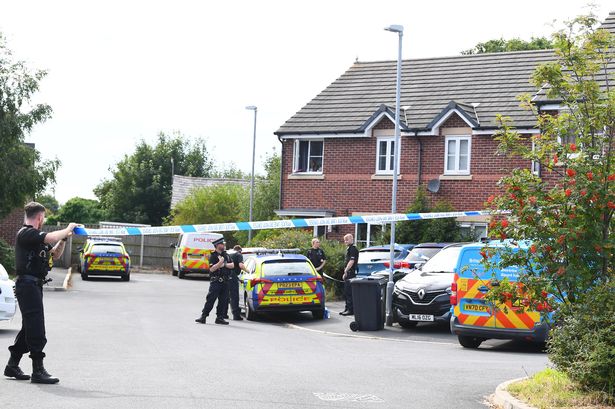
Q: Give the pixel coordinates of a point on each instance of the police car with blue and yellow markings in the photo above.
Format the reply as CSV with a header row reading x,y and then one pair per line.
x,y
279,282
104,256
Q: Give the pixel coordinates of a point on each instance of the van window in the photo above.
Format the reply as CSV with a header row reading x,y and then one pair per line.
x,y
444,261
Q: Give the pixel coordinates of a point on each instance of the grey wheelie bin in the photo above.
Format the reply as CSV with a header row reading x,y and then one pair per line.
x,y
368,299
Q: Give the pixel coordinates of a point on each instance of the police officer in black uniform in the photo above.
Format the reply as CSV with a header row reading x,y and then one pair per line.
x,y
33,253
220,265
316,255
233,284
350,272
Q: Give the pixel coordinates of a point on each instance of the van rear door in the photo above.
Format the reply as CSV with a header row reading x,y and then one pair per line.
x,y
472,285
509,316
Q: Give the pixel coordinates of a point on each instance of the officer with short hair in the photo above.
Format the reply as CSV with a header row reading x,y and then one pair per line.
x,y
233,286
316,255
350,271
220,265
33,254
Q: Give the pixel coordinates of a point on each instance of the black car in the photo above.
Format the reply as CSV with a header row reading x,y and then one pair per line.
x,y
423,295
416,257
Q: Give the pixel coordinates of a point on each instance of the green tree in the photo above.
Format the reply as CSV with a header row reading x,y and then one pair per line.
x,y
267,190
79,210
515,44
141,187
50,202
566,213
222,203
24,174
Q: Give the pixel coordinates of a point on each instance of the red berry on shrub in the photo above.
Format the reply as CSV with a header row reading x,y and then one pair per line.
x,y
571,172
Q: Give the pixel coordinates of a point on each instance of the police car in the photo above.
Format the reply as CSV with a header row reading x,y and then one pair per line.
x,y
281,282
104,256
8,302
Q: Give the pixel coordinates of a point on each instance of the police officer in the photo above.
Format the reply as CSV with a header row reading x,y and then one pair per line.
x,y
33,253
316,255
238,267
350,272
219,272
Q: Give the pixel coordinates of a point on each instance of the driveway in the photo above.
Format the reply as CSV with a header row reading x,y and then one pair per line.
x,y
135,345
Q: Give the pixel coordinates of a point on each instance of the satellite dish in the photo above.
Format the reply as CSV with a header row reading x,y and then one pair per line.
x,y
433,185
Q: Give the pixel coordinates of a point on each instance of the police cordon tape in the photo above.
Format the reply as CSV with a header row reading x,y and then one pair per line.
x,y
273,224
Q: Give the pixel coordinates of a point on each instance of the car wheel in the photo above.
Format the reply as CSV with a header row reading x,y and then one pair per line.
x,y
469,342
250,313
126,277
407,324
181,274
318,314
173,271
84,277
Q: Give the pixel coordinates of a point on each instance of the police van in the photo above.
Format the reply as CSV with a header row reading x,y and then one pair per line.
x,y
475,320
191,254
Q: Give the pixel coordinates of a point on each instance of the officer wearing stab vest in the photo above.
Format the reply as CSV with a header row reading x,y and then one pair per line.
x,y
220,265
33,253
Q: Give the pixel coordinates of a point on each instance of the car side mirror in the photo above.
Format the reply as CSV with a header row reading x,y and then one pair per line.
x,y
79,248
172,245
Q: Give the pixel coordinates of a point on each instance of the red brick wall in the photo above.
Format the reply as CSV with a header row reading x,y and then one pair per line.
x,y
10,224
349,164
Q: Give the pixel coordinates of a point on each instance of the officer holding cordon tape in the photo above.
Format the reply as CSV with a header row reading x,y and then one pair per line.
x,y
220,265
33,254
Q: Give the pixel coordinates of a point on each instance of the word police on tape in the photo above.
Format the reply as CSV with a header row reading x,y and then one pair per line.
x,y
272,224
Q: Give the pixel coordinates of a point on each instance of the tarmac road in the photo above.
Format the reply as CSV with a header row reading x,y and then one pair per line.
x,y
135,344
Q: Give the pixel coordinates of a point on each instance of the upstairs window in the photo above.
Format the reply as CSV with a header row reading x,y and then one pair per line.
x,y
457,155
308,156
384,156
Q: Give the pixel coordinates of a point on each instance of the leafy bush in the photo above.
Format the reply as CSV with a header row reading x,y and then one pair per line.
x,y
583,345
7,256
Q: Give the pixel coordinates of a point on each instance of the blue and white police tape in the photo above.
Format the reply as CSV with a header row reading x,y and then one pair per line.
x,y
272,224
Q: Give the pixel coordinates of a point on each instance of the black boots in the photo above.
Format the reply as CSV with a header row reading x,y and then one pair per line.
x,y
12,369
201,319
40,375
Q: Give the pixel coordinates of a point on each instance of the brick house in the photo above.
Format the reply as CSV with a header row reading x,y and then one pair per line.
x,y
337,151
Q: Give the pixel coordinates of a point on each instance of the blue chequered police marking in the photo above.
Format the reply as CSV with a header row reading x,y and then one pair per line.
x,y
273,224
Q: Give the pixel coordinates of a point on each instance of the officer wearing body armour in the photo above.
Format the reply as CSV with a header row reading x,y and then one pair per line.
x,y
220,265
33,259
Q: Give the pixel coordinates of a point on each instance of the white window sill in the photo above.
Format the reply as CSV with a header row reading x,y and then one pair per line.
x,y
384,176
455,177
317,176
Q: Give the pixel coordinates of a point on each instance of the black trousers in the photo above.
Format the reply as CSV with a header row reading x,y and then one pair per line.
x,y
31,338
233,289
217,290
348,294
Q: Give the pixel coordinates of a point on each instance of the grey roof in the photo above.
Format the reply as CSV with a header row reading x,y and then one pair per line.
x,y
184,185
493,81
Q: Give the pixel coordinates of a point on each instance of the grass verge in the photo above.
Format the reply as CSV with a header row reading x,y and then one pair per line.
x,y
553,389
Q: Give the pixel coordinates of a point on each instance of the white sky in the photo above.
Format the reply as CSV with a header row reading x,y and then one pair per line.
x,y
122,71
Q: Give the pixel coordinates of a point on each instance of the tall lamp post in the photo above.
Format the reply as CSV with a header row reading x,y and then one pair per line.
x,y
389,318
252,108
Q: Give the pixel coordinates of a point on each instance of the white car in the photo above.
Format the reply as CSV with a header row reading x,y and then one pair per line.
x,y
8,302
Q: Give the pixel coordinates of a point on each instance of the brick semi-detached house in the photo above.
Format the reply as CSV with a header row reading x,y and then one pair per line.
x,y
337,151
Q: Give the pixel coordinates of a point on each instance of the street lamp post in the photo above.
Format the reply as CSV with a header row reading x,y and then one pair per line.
x,y
389,297
252,108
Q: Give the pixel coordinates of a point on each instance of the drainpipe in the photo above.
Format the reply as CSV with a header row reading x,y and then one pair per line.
x,y
418,138
281,172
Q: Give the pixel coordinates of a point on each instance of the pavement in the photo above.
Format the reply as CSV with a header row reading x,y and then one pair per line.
x,y
135,345
59,278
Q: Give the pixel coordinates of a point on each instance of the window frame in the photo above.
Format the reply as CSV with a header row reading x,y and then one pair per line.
x,y
458,139
388,140
296,154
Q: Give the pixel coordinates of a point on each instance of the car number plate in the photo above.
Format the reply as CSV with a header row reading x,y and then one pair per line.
x,y
420,317
477,308
289,285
